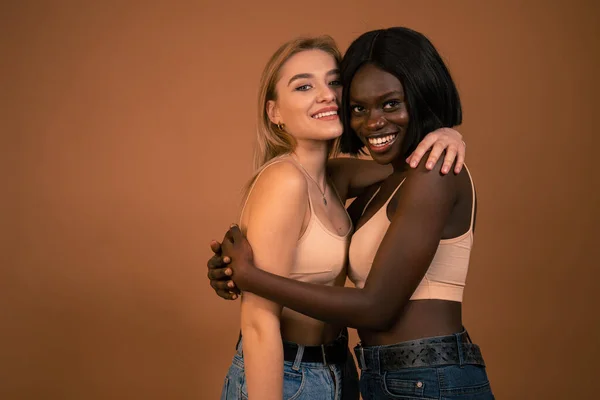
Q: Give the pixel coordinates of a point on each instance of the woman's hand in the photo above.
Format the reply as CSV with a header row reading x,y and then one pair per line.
x,y
237,250
439,140
233,255
219,274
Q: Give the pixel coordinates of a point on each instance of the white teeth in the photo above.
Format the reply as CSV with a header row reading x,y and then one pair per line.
x,y
380,141
324,114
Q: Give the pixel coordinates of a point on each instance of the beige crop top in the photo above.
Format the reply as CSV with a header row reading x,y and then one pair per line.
x,y
321,255
446,277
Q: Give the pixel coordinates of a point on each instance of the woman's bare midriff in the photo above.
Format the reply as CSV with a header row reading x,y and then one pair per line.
x,y
299,328
420,319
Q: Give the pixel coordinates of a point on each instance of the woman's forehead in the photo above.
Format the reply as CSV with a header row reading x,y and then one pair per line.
x,y
371,81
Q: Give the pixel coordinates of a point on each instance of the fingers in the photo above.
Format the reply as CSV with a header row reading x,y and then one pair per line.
x,y
222,285
227,295
215,247
219,274
415,158
236,233
460,160
436,152
449,159
233,234
225,289
234,238
216,262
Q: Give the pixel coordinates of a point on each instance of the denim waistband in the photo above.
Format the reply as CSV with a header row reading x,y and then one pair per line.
x,y
456,349
334,352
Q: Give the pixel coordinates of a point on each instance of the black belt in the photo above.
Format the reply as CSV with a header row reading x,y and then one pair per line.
x,y
335,352
444,350
331,353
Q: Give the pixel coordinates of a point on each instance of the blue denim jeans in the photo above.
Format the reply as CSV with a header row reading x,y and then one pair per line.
x,y
382,377
301,380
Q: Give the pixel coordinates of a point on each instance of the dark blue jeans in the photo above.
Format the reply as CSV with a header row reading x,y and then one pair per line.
x,y
442,368
301,380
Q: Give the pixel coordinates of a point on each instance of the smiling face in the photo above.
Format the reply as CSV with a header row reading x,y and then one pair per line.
x,y
379,113
307,91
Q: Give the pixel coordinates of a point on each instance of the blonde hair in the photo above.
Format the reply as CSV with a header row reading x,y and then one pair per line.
x,y
270,140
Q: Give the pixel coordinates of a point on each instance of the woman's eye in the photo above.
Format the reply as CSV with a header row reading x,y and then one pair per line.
x,y
336,83
391,104
357,109
303,88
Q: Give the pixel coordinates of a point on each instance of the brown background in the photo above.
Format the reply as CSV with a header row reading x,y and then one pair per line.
x,y
127,134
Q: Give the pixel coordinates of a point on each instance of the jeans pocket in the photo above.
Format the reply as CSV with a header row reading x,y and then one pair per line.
x,y
399,386
477,392
293,383
468,380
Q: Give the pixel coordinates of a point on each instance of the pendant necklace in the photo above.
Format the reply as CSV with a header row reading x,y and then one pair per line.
x,y
318,187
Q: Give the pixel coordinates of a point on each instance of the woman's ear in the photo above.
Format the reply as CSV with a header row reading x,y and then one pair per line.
x,y
273,112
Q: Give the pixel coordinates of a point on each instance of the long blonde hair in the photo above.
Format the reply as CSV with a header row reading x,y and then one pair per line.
x,y
270,140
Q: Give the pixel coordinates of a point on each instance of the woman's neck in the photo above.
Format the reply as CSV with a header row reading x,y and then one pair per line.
x,y
313,157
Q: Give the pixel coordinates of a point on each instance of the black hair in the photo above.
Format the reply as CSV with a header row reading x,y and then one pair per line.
x,y
431,96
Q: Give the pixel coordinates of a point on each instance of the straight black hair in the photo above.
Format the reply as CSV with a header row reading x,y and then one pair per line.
x,y
431,96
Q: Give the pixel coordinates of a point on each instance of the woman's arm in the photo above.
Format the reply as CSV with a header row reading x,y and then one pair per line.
x,y
352,175
275,213
401,261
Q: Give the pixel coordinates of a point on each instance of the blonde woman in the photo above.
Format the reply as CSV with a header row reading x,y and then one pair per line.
x,y
294,217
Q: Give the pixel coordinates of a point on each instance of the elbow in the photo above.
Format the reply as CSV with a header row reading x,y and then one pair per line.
x,y
260,328
260,340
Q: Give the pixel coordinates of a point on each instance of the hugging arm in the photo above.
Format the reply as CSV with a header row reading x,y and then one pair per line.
x,y
400,263
351,175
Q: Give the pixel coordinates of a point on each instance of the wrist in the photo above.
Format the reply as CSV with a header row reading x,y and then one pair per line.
x,y
243,275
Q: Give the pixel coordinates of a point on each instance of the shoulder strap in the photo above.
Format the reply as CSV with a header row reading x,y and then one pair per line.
x,y
255,179
474,198
310,203
394,192
370,200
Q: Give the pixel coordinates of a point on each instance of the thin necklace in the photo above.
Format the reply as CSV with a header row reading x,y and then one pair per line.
x,y
311,178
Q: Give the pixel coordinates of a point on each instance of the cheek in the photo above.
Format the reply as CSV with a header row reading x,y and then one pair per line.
x,y
356,125
338,95
290,104
404,115
400,118
292,113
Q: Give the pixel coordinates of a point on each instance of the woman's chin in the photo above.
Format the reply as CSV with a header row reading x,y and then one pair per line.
x,y
322,134
383,157
332,134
